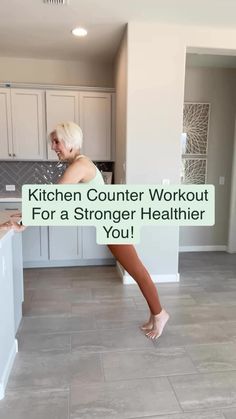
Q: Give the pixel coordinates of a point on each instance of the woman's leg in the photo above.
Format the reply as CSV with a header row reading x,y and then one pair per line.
x,y
127,256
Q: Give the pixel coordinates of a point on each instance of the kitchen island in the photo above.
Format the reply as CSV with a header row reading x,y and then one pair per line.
x,y
11,298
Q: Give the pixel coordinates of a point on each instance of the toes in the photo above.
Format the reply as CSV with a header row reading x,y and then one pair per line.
x,y
153,335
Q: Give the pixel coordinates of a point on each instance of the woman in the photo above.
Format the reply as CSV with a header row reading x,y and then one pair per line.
x,y
66,141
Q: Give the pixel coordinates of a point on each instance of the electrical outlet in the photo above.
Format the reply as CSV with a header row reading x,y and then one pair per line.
x,y
221,180
165,181
10,188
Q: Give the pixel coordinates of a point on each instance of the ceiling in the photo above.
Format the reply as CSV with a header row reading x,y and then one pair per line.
x,y
31,28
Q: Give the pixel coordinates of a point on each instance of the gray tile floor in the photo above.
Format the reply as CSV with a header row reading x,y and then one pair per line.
x,y
82,355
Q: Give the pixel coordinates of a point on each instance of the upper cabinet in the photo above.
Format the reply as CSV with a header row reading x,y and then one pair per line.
x,y
91,110
27,118
5,125
28,132
95,121
22,125
61,106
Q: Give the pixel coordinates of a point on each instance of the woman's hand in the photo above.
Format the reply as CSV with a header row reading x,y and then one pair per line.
x,y
12,225
16,217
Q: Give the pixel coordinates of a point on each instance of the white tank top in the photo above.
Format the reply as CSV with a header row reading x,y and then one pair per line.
x,y
98,179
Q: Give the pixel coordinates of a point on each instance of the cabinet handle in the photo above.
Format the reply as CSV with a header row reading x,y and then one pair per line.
x,y
14,155
11,209
9,154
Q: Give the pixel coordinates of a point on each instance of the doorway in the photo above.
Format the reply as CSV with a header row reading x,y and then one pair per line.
x,y
210,82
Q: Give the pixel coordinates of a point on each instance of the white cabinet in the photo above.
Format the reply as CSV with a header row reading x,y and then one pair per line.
x,y
95,121
35,245
18,283
92,250
22,124
5,125
28,124
63,246
64,243
7,323
91,110
11,289
12,206
61,106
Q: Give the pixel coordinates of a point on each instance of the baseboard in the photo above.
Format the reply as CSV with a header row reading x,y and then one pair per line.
x,y
120,270
127,279
8,368
68,263
222,248
230,250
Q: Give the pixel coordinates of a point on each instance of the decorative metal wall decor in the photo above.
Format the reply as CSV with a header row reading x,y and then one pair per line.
x,y
195,142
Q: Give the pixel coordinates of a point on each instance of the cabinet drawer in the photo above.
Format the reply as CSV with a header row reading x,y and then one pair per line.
x,y
13,206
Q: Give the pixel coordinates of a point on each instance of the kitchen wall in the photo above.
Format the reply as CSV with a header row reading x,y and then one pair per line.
x,y
120,76
156,77
79,73
216,86
22,172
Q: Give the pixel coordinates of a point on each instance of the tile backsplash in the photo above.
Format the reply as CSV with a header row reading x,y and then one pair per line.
x,y
20,172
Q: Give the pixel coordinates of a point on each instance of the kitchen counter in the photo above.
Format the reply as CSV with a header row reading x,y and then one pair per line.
x,y
6,197
11,298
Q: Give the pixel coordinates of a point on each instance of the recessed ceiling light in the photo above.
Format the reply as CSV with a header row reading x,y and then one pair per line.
x,y
79,32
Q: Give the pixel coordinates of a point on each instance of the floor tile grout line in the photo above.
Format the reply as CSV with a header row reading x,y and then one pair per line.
x,y
178,401
102,367
123,351
69,402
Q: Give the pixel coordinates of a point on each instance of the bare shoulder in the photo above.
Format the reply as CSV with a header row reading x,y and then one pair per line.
x,y
75,172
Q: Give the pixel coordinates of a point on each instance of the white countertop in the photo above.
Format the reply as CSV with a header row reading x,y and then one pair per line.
x,y
5,198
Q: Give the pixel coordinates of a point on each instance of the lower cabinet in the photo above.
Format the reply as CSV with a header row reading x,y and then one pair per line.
x,y
91,249
11,298
65,243
60,246
63,246
8,344
35,244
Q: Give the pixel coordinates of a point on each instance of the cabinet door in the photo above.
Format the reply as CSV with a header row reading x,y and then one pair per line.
x,y
35,244
64,243
28,124
7,323
18,284
62,106
92,250
95,121
12,206
5,125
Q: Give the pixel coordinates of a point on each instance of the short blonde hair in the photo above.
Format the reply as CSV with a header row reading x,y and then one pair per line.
x,y
70,133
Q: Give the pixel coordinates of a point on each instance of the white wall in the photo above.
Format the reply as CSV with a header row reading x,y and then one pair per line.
x,y
156,74
29,70
217,87
232,213
120,75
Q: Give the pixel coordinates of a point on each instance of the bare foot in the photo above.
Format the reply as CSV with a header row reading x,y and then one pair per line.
x,y
159,322
149,325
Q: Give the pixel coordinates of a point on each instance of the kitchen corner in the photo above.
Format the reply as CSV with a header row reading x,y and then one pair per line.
x,y
11,298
